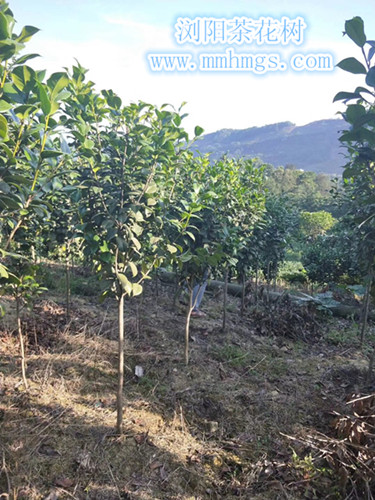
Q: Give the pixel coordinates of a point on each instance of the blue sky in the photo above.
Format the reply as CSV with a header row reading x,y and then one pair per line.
x,y
113,37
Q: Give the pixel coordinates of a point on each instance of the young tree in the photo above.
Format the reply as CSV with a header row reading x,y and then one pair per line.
x,y
359,173
30,155
240,207
127,157
313,224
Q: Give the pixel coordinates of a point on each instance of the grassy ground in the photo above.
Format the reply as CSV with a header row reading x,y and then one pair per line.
x,y
235,423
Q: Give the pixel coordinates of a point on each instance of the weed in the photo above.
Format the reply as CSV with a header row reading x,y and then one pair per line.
x,y
147,383
347,337
233,355
54,278
277,368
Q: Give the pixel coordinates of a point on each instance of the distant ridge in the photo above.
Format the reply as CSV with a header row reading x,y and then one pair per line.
x,y
314,147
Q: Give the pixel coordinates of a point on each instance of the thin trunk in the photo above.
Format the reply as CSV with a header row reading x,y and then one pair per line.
x,y
187,326
176,295
268,283
67,283
365,310
177,291
370,367
120,370
225,298
137,325
19,223
157,284
33,254
35,337
256,285
12,234
243,295
22,347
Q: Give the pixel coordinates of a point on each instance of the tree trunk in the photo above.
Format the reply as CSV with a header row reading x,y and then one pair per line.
x,y
243,294
22,347
187,326
370,367
177,293
137,321
225,297
268,282
120,370
157,283
67,284
365,310
33,254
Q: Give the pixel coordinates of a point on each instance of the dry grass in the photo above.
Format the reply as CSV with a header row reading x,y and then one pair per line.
x,y
210,430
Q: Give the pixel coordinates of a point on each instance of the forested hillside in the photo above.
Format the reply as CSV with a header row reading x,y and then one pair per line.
x,y
314,147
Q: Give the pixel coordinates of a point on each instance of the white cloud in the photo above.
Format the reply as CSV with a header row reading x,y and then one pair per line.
x,y
142,33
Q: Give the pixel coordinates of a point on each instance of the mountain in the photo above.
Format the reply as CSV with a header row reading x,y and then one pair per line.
x,y
313,147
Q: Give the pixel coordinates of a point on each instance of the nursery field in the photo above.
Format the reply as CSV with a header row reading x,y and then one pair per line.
x,y
115,386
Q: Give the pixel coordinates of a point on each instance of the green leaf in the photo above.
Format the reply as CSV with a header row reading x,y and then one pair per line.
x,y
151,189
133,269
24,110
4,106
3,272
136,243
177,120
4,187
154,240
198,131
45,102
171,249
354,28
125,283
51,154
352,65
363,119
353,112
26,33
7,50
342,96
88,144
186,257
138,217
9,203
8,151
137,289
57,82
190,234
3,128
362,89
137,229
169,147
4,27
370,77
25,58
